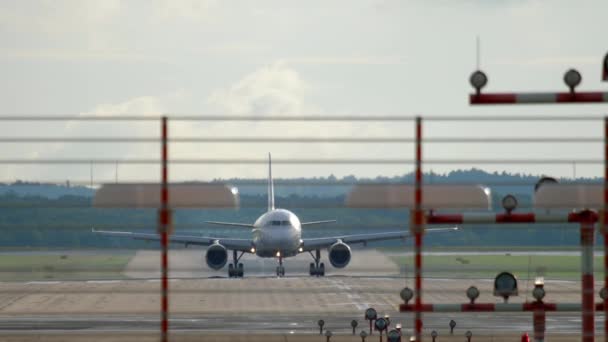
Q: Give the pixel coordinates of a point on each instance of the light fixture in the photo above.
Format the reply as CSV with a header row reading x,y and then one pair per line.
x,y
572,78
505,286
381,324
478,80
538,293
371,314
472,294
393,336
509,203
406,294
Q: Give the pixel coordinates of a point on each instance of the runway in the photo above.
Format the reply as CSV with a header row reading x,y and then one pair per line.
x,y
204,301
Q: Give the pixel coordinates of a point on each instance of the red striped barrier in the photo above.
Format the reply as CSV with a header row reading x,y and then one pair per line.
x,y
538,98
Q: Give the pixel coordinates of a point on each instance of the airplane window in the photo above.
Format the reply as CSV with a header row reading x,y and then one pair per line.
x,y
286,223
276,223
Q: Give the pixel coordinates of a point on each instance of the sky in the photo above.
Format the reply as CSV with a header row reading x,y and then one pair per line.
x,y
287,58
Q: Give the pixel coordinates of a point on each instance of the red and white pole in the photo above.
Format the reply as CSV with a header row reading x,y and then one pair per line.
x,y
605,68
418,230
603,219
164,218
537,98
587,239
539,324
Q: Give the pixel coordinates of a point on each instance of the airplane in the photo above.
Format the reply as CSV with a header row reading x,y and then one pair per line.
x,y
275,234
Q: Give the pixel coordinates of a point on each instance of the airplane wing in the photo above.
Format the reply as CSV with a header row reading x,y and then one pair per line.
x,y
317,222
229,243
316,243
233,224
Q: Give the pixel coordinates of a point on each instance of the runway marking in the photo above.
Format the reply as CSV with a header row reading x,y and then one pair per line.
x,y
103,281
343,287
42,282
158,280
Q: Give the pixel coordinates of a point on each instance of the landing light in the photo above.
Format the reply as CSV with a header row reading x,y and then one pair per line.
x,y
278,254
300,249
252,250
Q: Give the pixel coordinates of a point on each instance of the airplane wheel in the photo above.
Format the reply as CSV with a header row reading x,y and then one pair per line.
x,y
240,271
278,271
312,270
322,270
282,271
231,272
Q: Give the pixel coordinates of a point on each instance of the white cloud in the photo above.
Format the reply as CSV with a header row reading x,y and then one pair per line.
x,y
196,10
271,90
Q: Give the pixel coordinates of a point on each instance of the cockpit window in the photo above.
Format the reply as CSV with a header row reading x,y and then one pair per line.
x,y
280,223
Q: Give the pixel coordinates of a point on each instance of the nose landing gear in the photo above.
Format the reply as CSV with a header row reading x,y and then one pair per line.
x,y
280,268
317,268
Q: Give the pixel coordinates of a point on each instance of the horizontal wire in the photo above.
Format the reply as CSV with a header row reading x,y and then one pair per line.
x,y
187,229
211,161
133,117
300,140
264,183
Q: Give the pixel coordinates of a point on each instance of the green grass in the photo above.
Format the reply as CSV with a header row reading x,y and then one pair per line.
x,y
487,266
67,266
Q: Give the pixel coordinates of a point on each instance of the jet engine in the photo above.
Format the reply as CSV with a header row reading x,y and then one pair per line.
x,y
339,254
217,256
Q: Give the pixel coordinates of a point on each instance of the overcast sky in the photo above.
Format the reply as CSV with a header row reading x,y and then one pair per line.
x,y
379,57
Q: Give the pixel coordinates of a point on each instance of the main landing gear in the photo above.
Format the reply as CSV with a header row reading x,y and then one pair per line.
x,y
316,268
236,268
280,268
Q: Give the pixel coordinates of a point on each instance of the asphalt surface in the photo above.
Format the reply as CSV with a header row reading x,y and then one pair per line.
x,y
205,301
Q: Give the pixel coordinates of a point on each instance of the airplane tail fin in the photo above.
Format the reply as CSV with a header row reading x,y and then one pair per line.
x,y
270,185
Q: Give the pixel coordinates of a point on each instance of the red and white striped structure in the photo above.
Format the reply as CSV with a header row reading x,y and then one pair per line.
x,y
538,98
417,229
604,217
586,219
605,68
496,307
163,229
538,309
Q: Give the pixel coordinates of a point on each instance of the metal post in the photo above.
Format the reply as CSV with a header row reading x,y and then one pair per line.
x,y
539,324
164,232
604,225
418,227
588,312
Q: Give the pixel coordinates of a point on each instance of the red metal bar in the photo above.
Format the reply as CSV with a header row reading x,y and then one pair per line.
x,y
605,68
434,218
587,288
604,223
418,231
538,98
164,231
494,307
539,325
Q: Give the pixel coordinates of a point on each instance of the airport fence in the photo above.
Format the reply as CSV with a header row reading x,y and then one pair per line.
x,y
567,145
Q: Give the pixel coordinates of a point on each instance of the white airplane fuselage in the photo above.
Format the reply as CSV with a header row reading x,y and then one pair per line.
x,y
277,233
